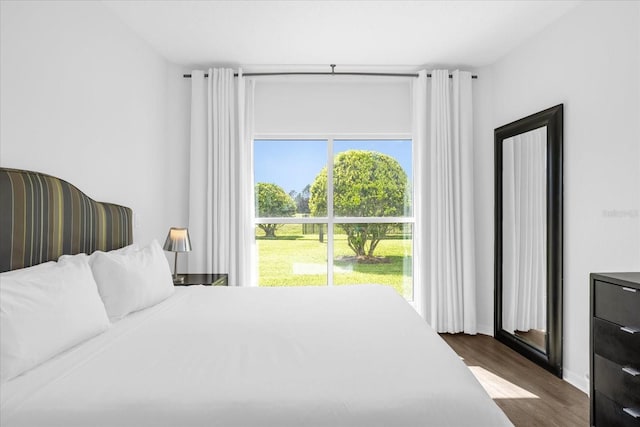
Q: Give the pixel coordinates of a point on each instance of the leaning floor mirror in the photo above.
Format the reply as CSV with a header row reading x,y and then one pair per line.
x,y
528,237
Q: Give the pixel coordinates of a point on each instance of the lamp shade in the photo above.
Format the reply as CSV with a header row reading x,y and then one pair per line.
x,y
178,240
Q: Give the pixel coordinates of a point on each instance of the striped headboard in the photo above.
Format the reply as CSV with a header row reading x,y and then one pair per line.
x,y
43,217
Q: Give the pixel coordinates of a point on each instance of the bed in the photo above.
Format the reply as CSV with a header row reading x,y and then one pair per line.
x,y
218,356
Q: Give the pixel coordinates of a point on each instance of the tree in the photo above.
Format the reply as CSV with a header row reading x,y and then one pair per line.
x,y
273,201
365,184
302,199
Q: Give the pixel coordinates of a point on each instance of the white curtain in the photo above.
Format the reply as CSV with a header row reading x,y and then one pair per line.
x,y
524,231
421,289
220,189
449,216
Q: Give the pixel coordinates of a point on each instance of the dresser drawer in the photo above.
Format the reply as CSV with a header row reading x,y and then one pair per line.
x,y
611,342
617,304
617,384
609,414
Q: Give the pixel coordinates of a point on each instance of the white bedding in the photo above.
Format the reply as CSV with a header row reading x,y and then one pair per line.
x,y
218,356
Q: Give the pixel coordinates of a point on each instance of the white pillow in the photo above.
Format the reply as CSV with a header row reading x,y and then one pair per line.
x,y
44,310
132,280
127,249
130,248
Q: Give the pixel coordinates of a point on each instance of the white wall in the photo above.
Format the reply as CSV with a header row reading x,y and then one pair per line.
x,y
333,105
84,98
590,61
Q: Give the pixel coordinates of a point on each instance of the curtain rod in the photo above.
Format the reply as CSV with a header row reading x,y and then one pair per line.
x,y
327,73
188,76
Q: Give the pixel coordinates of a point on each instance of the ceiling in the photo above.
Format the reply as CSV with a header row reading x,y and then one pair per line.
x,y
390,33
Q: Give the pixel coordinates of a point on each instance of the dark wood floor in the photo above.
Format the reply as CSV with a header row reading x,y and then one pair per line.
x,y
528,394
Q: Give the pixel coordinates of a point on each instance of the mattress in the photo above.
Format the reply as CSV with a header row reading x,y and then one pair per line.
x,y
218,356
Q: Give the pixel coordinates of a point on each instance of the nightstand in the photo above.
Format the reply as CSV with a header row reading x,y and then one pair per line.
x,y
203,279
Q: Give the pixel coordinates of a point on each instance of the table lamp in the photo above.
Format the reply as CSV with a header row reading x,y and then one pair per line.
x,y
177,241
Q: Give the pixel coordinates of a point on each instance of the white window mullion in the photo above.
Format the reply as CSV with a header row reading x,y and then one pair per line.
x,y
339,220
330,211
292,220
373,220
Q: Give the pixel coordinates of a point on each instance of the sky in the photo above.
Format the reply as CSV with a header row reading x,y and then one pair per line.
x,y
292,164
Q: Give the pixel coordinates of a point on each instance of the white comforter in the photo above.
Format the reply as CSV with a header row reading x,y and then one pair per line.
x,y
217,356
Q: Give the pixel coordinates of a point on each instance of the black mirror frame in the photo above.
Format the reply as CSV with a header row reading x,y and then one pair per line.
x,y
553,119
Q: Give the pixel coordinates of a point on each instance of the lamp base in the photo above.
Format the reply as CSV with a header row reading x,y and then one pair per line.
x,y
176,277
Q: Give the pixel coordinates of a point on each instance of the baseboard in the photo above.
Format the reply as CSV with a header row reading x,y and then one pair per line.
x,y
576,380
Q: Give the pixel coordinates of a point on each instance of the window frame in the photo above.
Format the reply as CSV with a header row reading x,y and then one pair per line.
x,y
330,220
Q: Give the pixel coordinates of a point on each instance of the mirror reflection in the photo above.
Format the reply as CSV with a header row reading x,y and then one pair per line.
x,y
524,234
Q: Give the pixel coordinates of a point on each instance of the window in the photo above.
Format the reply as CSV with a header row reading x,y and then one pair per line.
x,y
344,200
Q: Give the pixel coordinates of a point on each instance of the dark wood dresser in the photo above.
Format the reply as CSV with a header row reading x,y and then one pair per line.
x,y
615,349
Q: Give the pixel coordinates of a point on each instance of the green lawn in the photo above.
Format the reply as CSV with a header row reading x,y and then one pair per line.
x,y
296,259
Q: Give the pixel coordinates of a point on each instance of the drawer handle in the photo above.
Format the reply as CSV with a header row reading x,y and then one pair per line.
x,y
631,371
629,329
635,413
624,288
